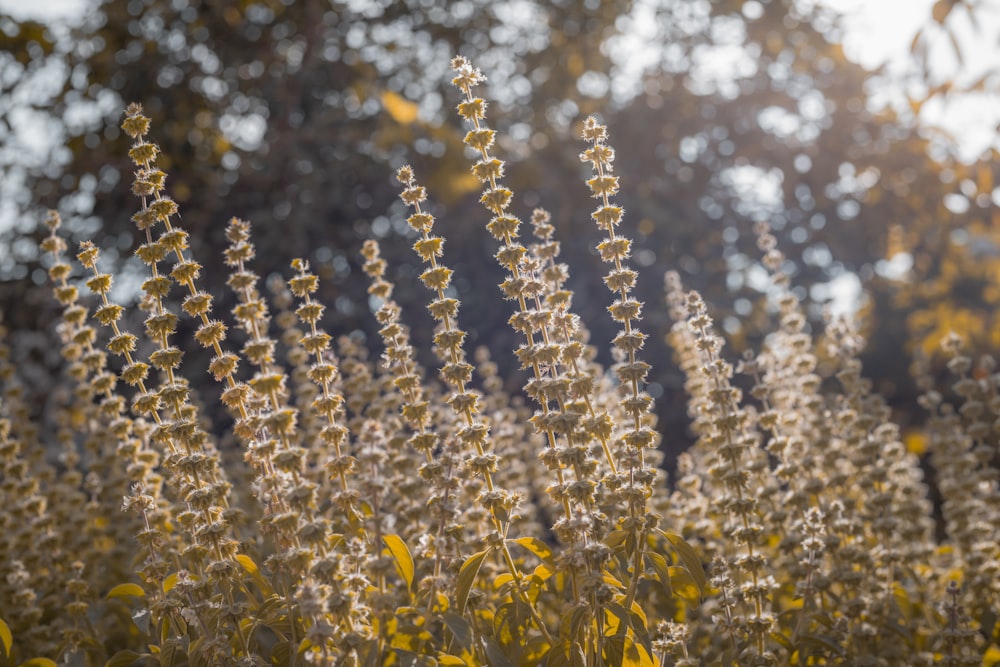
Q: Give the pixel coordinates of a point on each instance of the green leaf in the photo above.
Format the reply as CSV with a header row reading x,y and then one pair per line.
x,y
535,546
126,590
123,658
689,559
6,638
466,578
404,561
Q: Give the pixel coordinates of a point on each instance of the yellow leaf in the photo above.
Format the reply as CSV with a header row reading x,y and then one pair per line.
x,y
169,582
401,554
38,662
466,578
6,638
684,584
992,656
535,546
450,660
126,591
402,110
248,564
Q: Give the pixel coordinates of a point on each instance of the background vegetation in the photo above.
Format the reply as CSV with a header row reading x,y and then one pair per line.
x,y
299,112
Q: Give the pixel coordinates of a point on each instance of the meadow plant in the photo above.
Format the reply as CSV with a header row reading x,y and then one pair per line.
x,y
379,512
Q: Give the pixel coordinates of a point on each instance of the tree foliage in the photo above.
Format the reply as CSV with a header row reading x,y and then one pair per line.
x,y
294,114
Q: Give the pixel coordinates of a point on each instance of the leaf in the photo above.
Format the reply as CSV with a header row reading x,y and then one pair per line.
x,y
616,539
689,559
535,546
169,582
142,619
785,642
459,628
683,583
411,659
505,629
502,580
495,655
560,655
828,646
251,568
659,564
401,554
6,638
632,620
246,629
281,653
614,651
39,662
537,581
622,650
248,564
574,622
402,110
445,660
126,590
172,653
123,658
466,578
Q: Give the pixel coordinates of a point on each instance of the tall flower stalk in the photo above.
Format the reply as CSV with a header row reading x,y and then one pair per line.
x,y
730,435
457,373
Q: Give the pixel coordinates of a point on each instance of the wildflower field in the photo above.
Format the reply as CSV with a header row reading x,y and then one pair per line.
x,y
353,509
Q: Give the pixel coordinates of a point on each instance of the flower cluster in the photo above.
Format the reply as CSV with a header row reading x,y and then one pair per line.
x,y
321,504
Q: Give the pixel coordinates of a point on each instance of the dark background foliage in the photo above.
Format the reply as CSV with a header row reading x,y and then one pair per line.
x,y
293,115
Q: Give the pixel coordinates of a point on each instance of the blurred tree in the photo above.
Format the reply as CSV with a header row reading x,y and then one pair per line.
x,y
293,115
